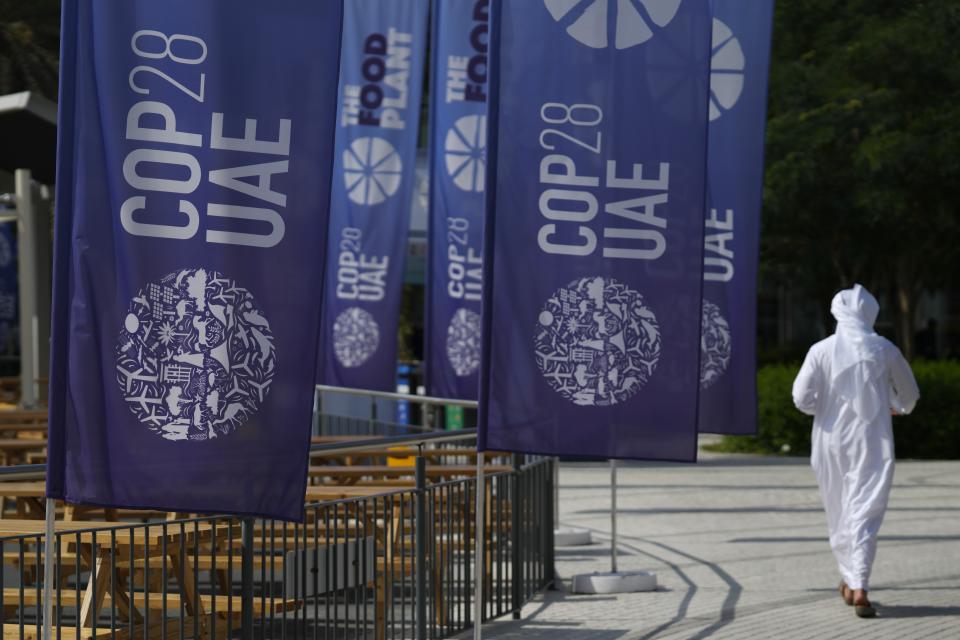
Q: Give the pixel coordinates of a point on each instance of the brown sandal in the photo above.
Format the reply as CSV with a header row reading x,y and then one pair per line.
x,y
864,610
846,593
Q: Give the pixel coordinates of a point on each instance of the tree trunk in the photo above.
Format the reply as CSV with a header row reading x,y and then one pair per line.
x,y
905,310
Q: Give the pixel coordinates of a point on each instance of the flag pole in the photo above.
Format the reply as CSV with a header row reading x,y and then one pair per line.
x,y
48,569
613,516
478,565
615,581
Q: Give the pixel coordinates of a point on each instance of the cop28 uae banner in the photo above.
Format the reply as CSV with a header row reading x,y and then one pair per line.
x,y
192,186
594,238
740,60
381,80
458,144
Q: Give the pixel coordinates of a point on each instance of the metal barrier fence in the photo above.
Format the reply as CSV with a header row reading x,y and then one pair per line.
x,y
394,565
430,411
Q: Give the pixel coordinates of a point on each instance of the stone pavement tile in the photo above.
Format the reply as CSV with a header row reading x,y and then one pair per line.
x,y
740,548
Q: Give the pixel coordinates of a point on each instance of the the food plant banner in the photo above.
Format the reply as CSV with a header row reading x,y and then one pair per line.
x,y
381,80
458,144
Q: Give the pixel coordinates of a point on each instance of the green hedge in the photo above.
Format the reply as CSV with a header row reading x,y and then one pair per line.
x,y
931,431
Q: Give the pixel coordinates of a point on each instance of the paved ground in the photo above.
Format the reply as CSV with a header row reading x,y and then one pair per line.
x,y
739,545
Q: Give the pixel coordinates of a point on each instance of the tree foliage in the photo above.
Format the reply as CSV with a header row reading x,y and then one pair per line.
x,y
863,131
29,44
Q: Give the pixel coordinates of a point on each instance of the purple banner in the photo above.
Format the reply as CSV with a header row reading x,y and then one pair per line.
x,y
594,238
193,179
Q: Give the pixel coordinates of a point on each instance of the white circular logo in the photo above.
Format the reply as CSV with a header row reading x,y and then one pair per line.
x,y
195,357
466,152
726,70
463,342
371,170
715,344
356,336
629,22
597,342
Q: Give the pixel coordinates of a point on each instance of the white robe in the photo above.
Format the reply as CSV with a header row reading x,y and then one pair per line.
x,y
853,459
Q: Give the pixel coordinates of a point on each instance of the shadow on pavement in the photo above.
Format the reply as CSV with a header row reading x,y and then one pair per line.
x,y
912,611
793,539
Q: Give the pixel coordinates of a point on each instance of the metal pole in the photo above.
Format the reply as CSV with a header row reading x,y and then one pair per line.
x,y
556,493
246,579
613,516
27,264
478,565
548,533
515,566
48,571
421,547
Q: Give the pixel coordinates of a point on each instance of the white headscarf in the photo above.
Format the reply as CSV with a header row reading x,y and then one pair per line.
x,y
857,369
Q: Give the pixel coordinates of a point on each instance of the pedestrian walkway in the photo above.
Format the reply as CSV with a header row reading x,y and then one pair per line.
x,y
740,548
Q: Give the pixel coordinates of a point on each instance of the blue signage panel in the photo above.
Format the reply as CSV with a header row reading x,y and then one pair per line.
x,y
740,60
381,80
458,146
192,191
594,237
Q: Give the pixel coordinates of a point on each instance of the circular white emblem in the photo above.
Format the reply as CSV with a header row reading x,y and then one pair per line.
x,y
597,342
195,357
466,152
630,22
715,344
463,342
726,70
371,170
356,336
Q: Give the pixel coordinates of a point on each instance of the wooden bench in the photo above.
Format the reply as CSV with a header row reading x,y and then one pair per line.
x,y
153,600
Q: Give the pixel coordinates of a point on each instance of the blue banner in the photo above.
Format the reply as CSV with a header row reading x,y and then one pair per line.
x,y
594,237
740,61
381,81
193,188
458,143
9,291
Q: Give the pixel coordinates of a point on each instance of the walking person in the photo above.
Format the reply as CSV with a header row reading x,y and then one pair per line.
x,y
852,383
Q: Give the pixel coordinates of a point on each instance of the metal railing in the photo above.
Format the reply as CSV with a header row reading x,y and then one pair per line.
x,y
431,411
399,564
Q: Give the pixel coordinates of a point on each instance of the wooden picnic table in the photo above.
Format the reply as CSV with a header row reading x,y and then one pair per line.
x,y
29,497
21,444
320,492
12,450
30,503
410,452
23,416
110,540
350,474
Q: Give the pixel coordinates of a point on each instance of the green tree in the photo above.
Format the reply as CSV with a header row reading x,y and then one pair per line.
x,y
29,42
863,175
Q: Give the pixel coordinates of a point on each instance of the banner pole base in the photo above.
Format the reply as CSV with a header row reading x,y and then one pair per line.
x,y
478,564
614,581
48,551
569,537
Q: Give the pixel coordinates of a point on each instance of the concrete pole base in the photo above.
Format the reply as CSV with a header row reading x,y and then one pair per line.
x,y
620,582
563,537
